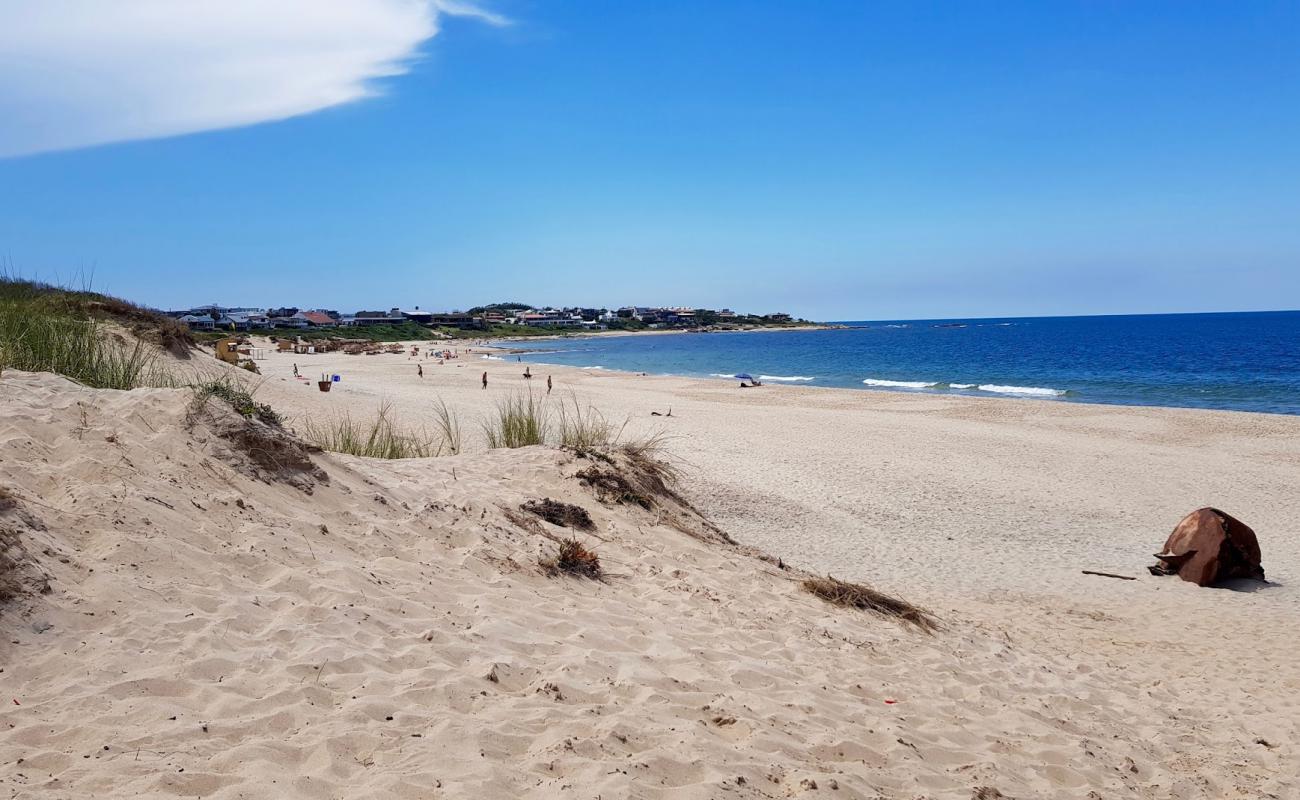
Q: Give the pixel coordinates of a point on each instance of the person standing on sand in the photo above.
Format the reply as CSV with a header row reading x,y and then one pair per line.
x,y
485,379
548,384
295,370
419,369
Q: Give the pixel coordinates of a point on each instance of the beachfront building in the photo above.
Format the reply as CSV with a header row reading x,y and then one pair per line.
x,y
550,318
243,320
313,319
363,318
198,322
417,316
456,319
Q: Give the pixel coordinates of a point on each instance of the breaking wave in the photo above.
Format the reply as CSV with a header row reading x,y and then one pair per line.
x,y
991,388
791,378
1035,391
901,384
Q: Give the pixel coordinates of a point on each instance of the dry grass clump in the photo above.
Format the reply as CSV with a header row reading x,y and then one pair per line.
x,y
574,558
379,437
520,421
566,515
855,595
612,486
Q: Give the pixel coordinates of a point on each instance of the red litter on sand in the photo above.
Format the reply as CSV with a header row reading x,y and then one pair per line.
x,y
890,702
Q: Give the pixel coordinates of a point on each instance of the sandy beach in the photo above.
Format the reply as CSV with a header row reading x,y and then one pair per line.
x,y
389,634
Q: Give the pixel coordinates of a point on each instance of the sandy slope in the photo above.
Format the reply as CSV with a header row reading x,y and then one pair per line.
x,y
200,647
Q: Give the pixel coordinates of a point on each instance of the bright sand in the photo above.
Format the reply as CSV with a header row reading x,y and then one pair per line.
x,y
697,670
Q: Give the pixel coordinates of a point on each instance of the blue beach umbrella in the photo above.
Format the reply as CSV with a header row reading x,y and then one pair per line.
x,y
744,376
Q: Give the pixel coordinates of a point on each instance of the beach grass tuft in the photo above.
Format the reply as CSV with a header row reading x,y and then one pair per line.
x,y
585,428
864,598
520,420
381,436
448,427
574,558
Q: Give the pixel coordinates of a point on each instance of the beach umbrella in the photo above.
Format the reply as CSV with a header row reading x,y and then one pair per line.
x,y
744,376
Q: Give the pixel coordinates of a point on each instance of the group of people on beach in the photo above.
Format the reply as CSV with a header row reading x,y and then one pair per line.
x,y
528,374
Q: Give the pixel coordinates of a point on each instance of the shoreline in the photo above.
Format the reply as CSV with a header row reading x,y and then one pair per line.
x,y
1066,399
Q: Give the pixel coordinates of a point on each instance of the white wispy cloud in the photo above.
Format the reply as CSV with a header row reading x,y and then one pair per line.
x,y
75,73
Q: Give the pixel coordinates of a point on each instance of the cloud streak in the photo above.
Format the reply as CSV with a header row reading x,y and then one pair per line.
x,y
75,73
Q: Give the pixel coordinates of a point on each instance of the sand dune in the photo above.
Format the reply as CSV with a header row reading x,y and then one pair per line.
x,y
383,629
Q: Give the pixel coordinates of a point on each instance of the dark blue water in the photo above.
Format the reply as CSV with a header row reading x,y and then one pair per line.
x,y
1243,361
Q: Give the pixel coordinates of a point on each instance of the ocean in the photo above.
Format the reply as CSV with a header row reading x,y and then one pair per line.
x,y
1235,361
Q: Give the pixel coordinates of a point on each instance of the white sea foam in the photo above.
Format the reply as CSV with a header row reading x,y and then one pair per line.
x,y
492,358
1035,391
992,388
900,384
785,378
595,367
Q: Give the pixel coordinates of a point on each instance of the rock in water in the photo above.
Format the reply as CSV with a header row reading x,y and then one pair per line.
x,y
1209,546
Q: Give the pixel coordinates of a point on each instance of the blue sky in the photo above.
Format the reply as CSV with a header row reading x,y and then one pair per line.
x,y
838,160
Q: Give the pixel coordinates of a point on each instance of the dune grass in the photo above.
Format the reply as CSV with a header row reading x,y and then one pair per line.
x,y
45,328
380,436
520,420
585,428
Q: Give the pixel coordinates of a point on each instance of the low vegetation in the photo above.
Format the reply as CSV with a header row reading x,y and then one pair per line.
x,y
574,558
864,598
240,399
401,332
381,436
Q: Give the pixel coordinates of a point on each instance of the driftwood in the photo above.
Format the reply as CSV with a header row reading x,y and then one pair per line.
x,y
1109,575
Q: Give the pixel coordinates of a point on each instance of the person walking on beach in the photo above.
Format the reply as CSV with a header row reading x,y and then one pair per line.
x,y
484,379
419,369
295,370
548,384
